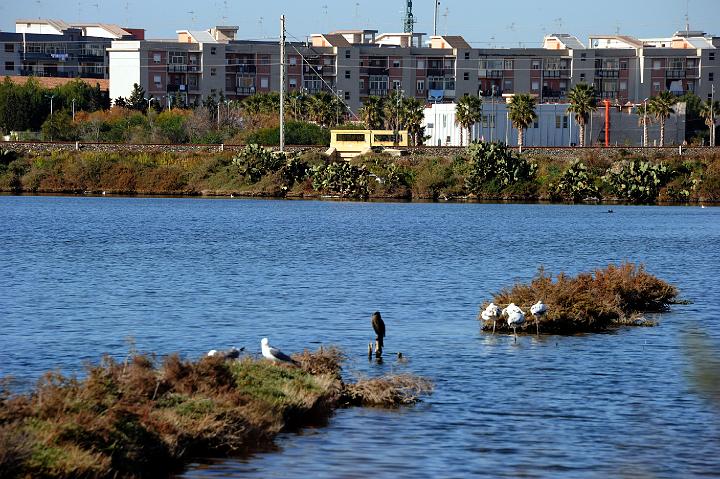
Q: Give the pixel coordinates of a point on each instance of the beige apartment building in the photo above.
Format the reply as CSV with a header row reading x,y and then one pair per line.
x,y
355,64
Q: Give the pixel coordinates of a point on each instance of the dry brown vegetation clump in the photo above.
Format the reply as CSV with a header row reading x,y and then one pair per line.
x,y
145,417
393,390
595,301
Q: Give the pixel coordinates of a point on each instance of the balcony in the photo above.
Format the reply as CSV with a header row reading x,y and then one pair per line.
x,y
561,73
607,73
194,69
438,72
692,72
245,90
177,68
91,57
490,73
378,92
675,74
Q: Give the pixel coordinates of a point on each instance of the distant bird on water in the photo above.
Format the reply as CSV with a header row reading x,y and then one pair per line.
x,y
379,326
515,317
274,354
538,310
232,353
491,313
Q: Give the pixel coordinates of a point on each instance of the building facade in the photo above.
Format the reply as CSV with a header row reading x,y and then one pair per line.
x,y
53,48
355,64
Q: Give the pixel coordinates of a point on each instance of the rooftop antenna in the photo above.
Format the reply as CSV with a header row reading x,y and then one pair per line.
x,y
409,19
225,13
192,17
559,22
357,12
260,26
127,13
445,19
326,24
435,17
687,16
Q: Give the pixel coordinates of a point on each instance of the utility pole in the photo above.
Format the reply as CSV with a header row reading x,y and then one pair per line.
x,y
282,83
712,114
435,17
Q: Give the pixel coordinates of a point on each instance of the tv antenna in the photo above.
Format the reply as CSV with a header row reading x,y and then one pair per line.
x,y
408,19
260,27
445,19
192,17
687,16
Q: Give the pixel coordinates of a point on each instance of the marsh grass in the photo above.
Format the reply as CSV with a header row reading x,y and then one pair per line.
x,y
617,295
145,417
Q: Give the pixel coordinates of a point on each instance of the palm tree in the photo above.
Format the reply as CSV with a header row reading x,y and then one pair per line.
x,y
468,111
297,104
522,112
372,113
413,113
582,103
709,112
644,119
323,108
661,106
393,109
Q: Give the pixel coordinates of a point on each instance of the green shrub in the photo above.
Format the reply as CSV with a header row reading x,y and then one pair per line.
x,y
255,161
341,178
296,133
495,162
575,184
637,181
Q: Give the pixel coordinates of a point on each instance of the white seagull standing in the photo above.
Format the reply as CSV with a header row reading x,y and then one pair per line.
x,y
538,310
491,313
515,317
274,354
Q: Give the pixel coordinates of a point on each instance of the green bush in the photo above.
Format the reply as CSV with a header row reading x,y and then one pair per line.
x,y
575,184
254,162
296,133
495,162
637,181
341,178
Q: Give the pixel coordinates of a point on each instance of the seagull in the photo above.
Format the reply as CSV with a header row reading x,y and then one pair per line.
x,y
232,353
538,310
379,326
491,313
274,354
515,317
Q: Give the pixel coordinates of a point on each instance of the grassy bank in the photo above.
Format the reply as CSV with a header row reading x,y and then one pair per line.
x,y
146,418
482,172
589,302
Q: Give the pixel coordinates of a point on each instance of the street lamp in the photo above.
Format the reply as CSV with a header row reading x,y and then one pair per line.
x,y
645,135
51,105
149,100
73,108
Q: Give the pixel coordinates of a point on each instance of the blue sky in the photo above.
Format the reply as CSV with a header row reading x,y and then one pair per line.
x,y
482,23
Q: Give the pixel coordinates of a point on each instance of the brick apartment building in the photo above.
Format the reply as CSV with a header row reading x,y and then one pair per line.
x,y
358,63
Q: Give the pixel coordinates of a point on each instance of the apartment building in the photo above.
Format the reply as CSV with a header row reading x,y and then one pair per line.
x,y
355,64
53,48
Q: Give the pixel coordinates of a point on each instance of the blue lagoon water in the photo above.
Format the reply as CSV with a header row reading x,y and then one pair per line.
x,y
79,276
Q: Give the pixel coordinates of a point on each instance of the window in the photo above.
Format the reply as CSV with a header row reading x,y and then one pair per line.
x,y
656,65
264,59
396,63
583,57
467,55
508,64
9,66
213,72
535,86
656,86
582,77
362,84
157,79
396,85
378,83
535,124
156,58
293,83
347,95
558,121
711,76
213,50
293,61
535,64
264,82
177,58
508,85
9,47
347,53
347,74
421,85
711,56
466,76
421,64
623,85
326,61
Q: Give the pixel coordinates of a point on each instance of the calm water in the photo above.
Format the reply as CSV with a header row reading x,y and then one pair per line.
x,y
78,276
